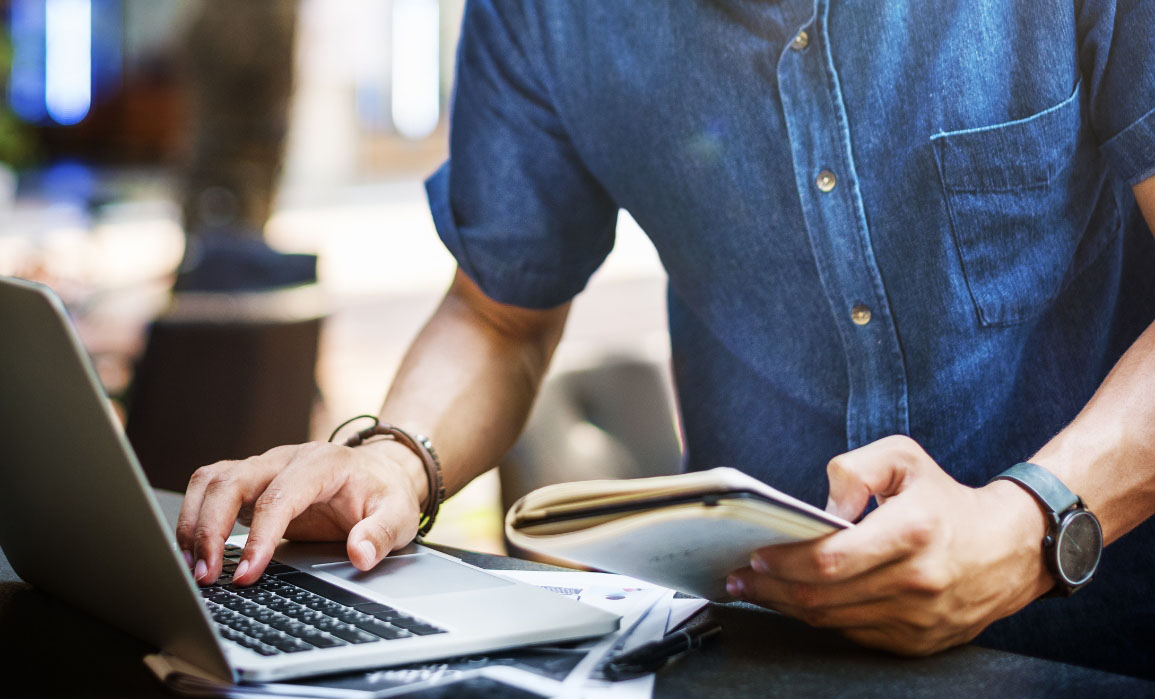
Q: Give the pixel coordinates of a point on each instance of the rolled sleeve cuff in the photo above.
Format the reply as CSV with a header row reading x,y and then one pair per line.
x,y
503,278
1131,152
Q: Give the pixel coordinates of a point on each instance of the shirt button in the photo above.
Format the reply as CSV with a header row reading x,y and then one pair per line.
x,y
801,41
825,181
860,314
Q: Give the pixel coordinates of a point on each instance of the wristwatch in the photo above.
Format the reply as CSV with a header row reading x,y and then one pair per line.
x,y
1074,540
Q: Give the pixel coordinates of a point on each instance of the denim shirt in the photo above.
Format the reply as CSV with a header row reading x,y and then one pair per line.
x,y
902,217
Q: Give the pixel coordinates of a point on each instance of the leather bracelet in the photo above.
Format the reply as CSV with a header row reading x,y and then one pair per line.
x,y
419,445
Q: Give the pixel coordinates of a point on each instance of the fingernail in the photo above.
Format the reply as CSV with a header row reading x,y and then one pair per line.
x,y
242,568
188,560
759,565
734,586
368,550
200,571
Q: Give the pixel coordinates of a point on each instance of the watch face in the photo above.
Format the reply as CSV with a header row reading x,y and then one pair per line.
x,y
1079,546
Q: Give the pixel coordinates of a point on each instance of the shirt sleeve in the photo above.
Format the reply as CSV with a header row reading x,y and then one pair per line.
x,y
514,203
1117,52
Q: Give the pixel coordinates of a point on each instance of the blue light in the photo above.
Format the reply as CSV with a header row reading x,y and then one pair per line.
x,y
67,59
26,81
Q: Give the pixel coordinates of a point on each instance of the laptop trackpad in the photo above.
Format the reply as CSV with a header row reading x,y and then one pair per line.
x,y
413,576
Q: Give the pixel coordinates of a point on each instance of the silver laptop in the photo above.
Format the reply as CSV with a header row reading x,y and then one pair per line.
x,y
78,520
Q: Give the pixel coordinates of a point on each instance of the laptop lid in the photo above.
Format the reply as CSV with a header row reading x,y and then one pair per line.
x,y
79,521
77,516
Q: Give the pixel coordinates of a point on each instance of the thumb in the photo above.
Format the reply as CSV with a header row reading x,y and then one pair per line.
x,y
374,537
881,469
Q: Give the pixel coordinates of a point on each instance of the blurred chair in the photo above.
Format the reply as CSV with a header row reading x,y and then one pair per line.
x,y
612,420
224,376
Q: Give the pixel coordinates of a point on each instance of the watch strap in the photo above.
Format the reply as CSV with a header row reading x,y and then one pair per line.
x,y
1044,485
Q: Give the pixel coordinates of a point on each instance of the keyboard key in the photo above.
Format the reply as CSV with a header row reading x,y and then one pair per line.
x,y
312,616
350,615
380,628
296,612
286,624
291,612
291,645
373,608
354,635
405,622
319,639
329,624
281,604
276,569
324,589
252,594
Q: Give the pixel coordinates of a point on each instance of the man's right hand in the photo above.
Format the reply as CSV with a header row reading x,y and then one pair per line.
x,y
369,496
468,381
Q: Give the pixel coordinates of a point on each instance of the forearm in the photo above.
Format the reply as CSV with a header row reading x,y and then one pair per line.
x,y
469,380
1107,454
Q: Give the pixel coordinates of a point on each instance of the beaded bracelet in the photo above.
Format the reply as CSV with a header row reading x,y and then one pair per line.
x,y
418,444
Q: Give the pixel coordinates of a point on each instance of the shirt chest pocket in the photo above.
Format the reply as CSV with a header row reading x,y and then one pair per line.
x,y
1029,206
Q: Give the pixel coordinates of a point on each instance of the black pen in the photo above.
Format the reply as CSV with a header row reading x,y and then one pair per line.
x,y
651,656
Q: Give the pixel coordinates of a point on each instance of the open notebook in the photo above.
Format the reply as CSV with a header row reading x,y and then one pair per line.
x,y
686,532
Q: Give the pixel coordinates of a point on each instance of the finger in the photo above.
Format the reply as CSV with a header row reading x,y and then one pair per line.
x,y
887,535
301,483
880,468
391,524
220,500
777,594
905,627
190,509
233,483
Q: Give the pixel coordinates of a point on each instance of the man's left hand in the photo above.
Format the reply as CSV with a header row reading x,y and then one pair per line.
x,y
930,568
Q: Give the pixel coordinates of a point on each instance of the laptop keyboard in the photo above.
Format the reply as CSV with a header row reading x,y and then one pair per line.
x,y
288,611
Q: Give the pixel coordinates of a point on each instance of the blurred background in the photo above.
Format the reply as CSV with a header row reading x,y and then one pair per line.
x,y
228,196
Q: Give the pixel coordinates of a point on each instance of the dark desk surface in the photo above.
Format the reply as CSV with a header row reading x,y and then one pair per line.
x,y
758,654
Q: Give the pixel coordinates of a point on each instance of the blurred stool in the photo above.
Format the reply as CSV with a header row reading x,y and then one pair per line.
x,y
224,376
615,419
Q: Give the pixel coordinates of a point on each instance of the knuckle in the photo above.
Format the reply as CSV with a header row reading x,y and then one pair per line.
x,y
928,579
803,595
204,475
827,563
222,480
384,532
204,535
256,542
904,442
185,531
273,498
837,466
920,532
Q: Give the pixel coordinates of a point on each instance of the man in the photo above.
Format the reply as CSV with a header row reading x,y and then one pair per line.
x,y
922,219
